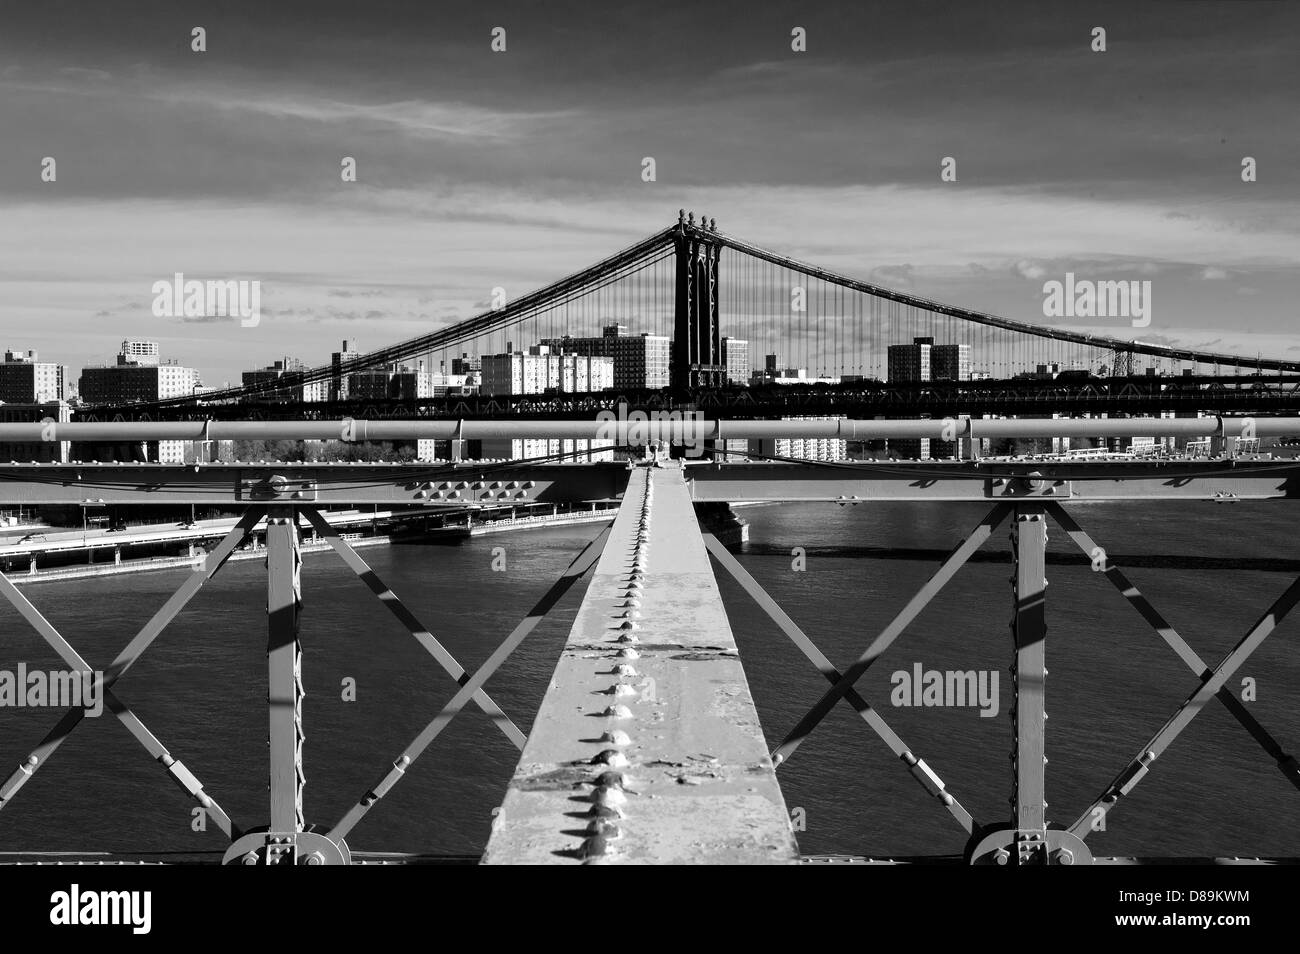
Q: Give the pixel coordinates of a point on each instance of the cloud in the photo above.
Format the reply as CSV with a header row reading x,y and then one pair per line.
x,y
1213,274
206,319
90,75
1029,269
898,276
348,293
418,118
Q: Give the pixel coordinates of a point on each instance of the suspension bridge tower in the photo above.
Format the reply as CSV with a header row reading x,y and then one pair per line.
x,y
697,343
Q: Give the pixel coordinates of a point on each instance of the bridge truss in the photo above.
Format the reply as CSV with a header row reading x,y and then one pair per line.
x,y
604,777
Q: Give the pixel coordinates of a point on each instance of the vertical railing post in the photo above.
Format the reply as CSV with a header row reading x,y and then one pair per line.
x,y
284,673
1029,630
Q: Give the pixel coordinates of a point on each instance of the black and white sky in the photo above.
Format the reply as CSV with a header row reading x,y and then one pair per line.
x,y
479,169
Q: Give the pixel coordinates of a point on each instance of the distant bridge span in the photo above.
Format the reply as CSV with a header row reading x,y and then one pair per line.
x,y
697,285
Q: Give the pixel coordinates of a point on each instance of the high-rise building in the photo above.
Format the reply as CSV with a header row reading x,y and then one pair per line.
x,y
338,388
735,355
640,361
287,372
540,370
136,376
24,380
138,352
537,371
128,380
923,360
466,364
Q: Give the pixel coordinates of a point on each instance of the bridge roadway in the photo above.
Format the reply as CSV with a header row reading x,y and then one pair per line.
x,y
647,748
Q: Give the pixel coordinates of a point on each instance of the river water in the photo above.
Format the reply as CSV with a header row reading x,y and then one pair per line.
x,y
1211,569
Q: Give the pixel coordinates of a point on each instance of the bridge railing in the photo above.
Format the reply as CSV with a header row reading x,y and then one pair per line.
x,y
1028,495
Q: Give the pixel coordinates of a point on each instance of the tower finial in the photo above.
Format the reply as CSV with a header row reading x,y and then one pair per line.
x,y
713,225
690,219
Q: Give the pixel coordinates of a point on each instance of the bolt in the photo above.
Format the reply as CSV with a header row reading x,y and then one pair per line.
x,y
315,858
1001,856
250,858
1064,856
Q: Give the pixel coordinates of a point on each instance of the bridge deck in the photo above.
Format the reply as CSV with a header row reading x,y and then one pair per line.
x,y
647,748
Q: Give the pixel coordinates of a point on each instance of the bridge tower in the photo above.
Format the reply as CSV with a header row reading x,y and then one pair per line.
x,y
1122,364
697,341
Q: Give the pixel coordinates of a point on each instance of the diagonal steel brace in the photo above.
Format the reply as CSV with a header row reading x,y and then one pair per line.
x,y
580,565
922,772
1211,683
1286,763
956,560
413,625
124,660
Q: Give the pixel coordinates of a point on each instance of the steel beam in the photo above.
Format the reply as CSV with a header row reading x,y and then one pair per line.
x,y
284,669
673,426
1029,718
431,486
437,488
647,748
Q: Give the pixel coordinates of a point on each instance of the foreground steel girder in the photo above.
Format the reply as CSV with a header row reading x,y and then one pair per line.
x,y
674,427
130,654
284,668
436,488
432,486
1028,715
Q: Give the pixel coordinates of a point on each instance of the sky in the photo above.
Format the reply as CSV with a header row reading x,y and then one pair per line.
x,y
478,169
